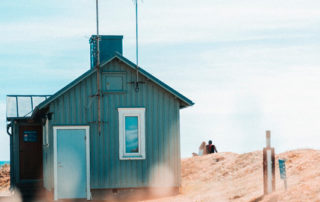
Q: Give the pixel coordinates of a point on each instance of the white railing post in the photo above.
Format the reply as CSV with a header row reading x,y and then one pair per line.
x,y
268,166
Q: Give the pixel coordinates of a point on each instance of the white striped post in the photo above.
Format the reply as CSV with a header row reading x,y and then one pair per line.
x,y
268,166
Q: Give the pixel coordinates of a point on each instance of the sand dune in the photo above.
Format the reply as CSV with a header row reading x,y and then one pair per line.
x,y
238,177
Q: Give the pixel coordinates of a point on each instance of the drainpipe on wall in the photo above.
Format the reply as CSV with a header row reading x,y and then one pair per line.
x,y
9,125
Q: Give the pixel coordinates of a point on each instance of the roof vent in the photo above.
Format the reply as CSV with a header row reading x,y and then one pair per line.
x,y
109,44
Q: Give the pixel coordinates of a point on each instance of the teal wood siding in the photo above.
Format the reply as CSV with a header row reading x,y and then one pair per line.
x,y
78,106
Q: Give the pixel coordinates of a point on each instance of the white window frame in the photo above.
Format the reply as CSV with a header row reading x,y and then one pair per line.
x,y
140,113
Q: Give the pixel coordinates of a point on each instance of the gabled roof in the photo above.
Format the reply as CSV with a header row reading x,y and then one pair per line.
x,y
155,80
186,102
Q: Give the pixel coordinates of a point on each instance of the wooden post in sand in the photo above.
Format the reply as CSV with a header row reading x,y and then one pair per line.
x,y
269,182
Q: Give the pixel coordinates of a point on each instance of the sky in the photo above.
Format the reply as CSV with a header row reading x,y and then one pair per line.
x,y
249,66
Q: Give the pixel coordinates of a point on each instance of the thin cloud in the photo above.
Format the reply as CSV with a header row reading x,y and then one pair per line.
x,y
248,65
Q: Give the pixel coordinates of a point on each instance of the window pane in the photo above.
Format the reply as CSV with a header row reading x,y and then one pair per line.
x,y
132,140
37,101
11,107
24,106
114,83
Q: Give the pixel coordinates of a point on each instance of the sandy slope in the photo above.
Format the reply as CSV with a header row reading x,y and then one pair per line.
x,y
238,177
4,177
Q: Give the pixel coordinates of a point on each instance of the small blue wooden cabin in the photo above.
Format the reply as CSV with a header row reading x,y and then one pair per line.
x,y
104,130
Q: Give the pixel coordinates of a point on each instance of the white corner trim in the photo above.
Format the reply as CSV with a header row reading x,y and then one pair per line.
x,y
88,162
55,174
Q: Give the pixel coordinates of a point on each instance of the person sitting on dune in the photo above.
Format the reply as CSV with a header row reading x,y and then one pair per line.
x,y
202,150
211,148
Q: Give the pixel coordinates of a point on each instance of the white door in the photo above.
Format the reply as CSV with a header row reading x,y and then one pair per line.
x,y
71,164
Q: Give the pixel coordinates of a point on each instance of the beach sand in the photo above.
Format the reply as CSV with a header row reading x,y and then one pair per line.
x,y
238,177
4,178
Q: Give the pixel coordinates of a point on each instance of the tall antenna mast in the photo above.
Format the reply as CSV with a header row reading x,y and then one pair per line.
x,y
98,47
98,70
137,49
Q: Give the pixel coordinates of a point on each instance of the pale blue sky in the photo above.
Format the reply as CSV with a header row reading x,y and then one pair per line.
x,y
248,65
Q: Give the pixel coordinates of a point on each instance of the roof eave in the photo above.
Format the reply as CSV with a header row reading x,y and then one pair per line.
x,y
63,90
184,99
187,102
9,119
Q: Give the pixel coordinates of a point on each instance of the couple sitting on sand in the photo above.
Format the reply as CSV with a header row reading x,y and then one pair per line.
x,y
206,149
